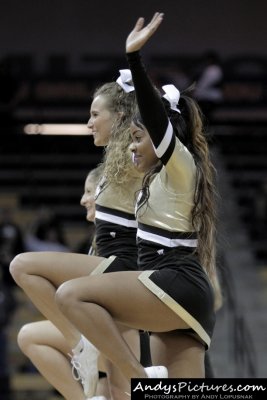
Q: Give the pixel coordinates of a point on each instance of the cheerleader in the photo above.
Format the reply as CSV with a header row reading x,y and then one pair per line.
x,y
175,292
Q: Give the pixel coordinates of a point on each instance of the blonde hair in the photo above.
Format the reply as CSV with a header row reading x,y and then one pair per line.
x,y
95,174
117,164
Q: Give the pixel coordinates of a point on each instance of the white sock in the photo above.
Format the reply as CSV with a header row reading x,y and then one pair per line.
x,y
79,347
81,344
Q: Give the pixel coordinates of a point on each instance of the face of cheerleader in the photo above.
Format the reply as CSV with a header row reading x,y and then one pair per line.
x,y
88,198
100,122
143,154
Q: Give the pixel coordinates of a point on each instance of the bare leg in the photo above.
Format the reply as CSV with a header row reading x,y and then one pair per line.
x,y
93,305
103,388
118,384
181,354
40,274
48,350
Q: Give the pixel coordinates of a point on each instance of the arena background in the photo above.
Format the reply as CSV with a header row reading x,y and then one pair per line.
x,y
55,53
43,27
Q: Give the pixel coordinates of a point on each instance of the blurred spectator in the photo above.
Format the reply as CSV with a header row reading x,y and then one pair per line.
x,y
209,80
11,243
84,246
7,307
46,233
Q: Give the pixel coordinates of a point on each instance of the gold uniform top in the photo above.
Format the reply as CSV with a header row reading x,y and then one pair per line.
x,y
166,218
115,221
166,238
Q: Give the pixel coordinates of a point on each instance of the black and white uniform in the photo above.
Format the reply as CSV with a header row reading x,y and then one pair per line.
x,y
116,225
166,238
115,237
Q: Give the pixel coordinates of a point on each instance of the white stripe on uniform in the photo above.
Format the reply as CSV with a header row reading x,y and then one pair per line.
x,y
164,144
164,241
115,219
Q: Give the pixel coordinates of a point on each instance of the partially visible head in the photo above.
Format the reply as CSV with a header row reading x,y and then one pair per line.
x,y
110,112
88,197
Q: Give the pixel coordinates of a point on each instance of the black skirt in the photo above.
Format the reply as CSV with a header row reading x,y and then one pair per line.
x,y
176,277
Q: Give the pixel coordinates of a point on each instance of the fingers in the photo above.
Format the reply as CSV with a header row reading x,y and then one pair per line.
x,y
156,21
153,24
141,32
139,24
156,16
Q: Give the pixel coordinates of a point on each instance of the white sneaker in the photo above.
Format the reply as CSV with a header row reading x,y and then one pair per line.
x,y
156,372
97,398
85,368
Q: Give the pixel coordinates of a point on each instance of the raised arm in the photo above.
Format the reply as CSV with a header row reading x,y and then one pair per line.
x,y
140,34
152,109
149,101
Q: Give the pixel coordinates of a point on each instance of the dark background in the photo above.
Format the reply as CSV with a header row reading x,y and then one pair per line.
x,y
57,52
75,27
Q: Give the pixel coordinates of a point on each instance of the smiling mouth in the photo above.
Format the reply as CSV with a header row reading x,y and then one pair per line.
x,y
135,159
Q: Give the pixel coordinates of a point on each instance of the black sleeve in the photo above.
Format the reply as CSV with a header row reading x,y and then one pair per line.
x,y
149,101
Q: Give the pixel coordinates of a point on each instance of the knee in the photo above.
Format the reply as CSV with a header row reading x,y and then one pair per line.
x,y
17,267
66,297
26,338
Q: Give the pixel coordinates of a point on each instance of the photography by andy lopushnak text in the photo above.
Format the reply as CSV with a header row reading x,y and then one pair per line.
x,y
199,389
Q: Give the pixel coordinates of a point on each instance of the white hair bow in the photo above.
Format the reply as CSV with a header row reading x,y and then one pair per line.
x,y
125,80
173,96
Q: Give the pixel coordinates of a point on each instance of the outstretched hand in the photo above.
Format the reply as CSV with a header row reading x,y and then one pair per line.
x,y
140,34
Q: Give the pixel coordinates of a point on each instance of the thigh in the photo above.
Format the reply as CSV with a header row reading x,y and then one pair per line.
x,y
182,354
45,333
127,300
58,267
